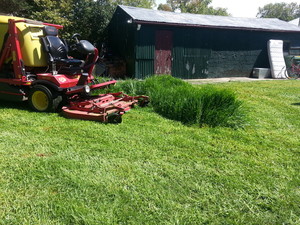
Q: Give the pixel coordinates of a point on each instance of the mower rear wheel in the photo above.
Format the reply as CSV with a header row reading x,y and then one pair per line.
x,y
41,99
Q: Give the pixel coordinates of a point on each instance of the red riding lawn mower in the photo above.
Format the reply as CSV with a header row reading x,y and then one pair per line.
x,y
35,67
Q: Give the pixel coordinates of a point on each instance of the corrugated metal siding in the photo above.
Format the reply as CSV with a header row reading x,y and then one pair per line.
x,y
189,66
234,63
145,43
144,52
119,43
144,68
236,53
122,39
210,53
190,58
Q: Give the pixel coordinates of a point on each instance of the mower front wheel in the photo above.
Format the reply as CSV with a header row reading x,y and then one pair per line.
x,y
114,118
41,99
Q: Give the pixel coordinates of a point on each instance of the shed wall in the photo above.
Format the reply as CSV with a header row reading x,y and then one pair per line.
x,y
121,39
144,52
197,52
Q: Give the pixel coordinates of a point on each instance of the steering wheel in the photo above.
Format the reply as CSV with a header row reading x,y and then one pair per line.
x,y
75,37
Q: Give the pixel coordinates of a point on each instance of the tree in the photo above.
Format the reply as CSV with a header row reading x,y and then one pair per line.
x,y
14,7
51,11
135,3
90,18
283,11
197,7
164,7
87,17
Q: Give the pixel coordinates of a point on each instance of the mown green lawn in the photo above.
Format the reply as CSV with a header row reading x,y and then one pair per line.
x,y
150,170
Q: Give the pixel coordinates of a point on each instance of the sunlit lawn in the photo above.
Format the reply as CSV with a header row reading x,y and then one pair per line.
x,y
150,170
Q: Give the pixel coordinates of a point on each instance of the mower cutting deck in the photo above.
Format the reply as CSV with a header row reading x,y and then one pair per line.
x,y
103,108
35,66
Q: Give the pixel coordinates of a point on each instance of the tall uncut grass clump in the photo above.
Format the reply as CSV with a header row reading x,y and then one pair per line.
x,y
220,107
129,87
178,103
206,105
178,100
174,98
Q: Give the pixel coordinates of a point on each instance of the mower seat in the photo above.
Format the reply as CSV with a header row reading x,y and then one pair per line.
x,y
57,49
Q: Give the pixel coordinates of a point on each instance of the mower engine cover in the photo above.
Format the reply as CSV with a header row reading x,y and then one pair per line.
x,y
85,47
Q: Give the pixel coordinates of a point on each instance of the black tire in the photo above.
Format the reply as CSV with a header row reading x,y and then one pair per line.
x,y
143,103
41,99
115,118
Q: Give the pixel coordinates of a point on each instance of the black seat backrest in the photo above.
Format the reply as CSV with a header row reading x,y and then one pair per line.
x,y
54,46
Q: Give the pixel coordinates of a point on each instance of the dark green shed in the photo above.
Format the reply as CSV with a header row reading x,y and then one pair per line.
x,y
194,46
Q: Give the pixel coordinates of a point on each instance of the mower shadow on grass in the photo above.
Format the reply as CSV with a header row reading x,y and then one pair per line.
x,y
15,105
297,103
113,119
